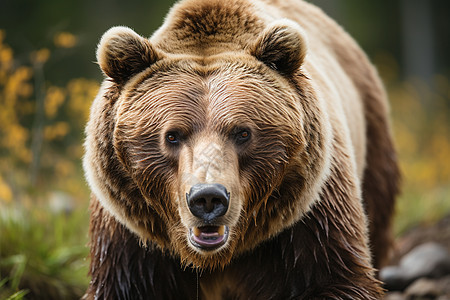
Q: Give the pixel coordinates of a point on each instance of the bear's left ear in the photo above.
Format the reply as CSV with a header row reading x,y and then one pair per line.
x,y
123,53
281,46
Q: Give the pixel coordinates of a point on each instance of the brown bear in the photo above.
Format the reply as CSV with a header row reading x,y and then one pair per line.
x,y
242,152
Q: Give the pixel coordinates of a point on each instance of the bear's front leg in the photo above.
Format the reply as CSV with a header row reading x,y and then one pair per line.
x,y
334,259
334,256
122,268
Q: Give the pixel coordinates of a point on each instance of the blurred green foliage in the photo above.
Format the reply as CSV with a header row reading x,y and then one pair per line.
x,y
43,253
33,25
48,81
422,136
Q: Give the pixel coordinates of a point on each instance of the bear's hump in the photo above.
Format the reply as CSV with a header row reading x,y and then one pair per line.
x,y
214,25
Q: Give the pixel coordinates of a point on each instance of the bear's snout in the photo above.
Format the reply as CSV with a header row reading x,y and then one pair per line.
x,y
208,201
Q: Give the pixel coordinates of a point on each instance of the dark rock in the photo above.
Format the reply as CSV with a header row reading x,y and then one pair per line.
x,y
393,278
429,260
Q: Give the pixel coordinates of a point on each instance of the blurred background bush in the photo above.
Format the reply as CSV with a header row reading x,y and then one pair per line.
x,y
48,79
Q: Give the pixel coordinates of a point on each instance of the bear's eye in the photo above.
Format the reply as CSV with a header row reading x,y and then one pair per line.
x,y
173,138
242,136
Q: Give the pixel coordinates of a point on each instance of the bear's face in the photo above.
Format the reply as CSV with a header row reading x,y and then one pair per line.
x,y
215,146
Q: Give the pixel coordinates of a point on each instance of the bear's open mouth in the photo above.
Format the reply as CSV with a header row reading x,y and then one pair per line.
x,y
208,237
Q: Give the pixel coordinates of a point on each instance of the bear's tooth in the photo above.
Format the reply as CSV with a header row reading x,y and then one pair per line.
x,y
221,230
196,231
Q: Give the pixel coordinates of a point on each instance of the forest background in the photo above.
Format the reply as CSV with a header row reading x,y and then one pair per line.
x,y
48,79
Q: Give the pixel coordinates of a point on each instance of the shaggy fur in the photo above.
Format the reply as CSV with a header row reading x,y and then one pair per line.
x,y
319,143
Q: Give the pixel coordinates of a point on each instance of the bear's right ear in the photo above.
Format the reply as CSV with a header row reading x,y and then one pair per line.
x,y
123,53
282,46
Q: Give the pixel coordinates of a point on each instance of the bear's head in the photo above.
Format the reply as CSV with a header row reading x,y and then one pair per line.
x,y
206,154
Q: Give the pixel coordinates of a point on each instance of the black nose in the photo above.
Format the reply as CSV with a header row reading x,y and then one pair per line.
x,y
208,201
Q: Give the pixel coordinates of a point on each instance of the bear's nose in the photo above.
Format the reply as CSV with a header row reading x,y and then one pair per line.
x,y
208,201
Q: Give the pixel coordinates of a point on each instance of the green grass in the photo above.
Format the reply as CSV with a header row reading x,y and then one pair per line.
x,y
43,255
417,207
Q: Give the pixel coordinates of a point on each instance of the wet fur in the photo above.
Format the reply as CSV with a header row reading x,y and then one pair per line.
x,y
302,221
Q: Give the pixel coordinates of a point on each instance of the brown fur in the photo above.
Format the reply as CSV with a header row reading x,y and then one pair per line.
x,y
320,142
